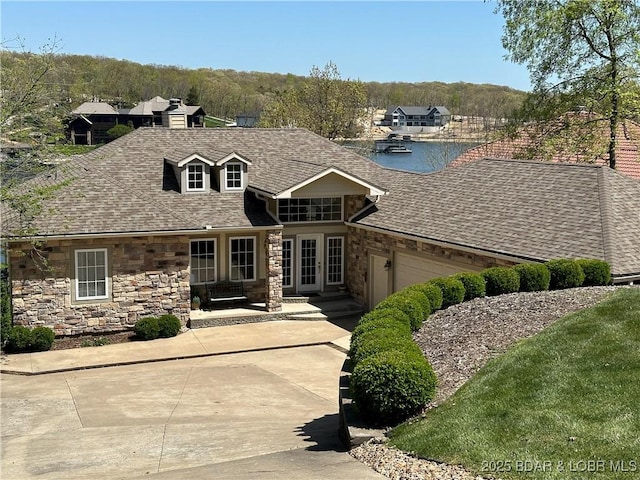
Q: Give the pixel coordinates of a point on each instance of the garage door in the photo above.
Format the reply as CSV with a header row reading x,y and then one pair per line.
x,y
411,269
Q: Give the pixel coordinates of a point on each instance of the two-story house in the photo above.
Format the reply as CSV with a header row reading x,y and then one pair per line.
x,y
415,118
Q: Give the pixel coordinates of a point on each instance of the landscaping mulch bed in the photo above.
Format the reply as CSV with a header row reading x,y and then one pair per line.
x,y
79,341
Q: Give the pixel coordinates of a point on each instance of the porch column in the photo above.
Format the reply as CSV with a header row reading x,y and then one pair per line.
x,y
273,255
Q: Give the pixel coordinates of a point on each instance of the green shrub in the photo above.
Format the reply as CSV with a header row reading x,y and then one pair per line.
x,y
5,308
407,304
452,290
18,339
596,272
534,277
391,386
565,273
381,340
382,322
474,285
432,292
384,312
147,328
419,295
168,326
41,339
501,280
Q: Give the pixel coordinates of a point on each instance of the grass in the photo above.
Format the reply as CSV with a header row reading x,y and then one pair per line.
x,y
563,404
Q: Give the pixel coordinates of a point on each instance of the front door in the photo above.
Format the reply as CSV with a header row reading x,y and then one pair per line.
x,y
310,258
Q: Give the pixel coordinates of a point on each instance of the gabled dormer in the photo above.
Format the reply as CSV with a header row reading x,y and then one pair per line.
x,y
233,172
197,173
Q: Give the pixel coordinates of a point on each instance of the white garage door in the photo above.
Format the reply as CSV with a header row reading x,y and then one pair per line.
x,y
411,269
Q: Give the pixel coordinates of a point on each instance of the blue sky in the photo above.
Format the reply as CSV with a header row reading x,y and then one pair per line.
x,y
384,41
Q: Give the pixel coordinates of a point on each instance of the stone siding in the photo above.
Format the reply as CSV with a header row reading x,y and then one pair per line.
x,y
362,242
273,256
149,276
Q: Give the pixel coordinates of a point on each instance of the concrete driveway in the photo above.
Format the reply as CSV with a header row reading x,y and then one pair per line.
x,y
268,414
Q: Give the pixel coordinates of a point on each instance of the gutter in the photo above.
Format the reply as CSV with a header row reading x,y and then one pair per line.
x,y
363,209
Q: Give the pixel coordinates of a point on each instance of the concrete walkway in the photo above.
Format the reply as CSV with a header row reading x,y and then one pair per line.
x,y
244,402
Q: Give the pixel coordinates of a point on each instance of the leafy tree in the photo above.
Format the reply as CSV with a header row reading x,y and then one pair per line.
x,y
578,52
325,104
119,130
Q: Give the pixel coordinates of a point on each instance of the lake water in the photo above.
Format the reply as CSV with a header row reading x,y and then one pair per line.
x,y
424,156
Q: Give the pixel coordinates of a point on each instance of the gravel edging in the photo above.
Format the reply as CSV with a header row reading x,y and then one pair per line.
x,y
458,342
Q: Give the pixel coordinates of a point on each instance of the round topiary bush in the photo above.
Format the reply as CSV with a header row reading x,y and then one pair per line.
x,y
474,285
534,277
380,340
18,339
501,280
391,386
383,312
390,322
565,273
452,290
147,328
168,326
421,297
407,304
432,292
596,272
42,339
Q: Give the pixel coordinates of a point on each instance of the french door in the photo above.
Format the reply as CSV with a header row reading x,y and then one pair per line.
x,y
309,266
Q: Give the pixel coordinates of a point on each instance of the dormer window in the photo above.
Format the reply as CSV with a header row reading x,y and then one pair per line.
x,y
195,177
233,175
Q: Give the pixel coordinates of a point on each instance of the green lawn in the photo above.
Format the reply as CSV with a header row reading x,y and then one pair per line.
x,y
564,404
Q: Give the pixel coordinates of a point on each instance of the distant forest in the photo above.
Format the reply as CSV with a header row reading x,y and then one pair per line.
x,y
226,93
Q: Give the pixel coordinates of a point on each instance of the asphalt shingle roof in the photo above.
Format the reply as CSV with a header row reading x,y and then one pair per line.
x,y
531,210
126,187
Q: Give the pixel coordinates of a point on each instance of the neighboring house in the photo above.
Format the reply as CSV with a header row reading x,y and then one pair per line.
x,y
90,122
247,120
527,141
142,222
414,119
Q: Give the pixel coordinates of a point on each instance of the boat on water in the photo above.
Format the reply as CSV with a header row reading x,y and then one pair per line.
x,y
397,149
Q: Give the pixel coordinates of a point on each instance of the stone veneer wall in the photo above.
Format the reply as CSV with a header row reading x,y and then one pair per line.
x,y
361,242
273,256
150,276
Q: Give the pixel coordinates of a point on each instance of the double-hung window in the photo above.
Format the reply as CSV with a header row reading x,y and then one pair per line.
x,y
242,259
203,261
91,274
195,177
233,175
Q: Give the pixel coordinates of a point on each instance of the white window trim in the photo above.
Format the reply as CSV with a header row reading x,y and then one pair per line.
x,y
306,222
204,177
292,265
226,175
341,238
215,257
106,274
255,258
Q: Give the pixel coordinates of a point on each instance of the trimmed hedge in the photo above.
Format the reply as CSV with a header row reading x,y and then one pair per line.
x,y
385,312
168,326
23,339
432,292
407,303
534,277
565,273
452,290
474,285
147,328
501,280
391,386
596,272
381,340
389,322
